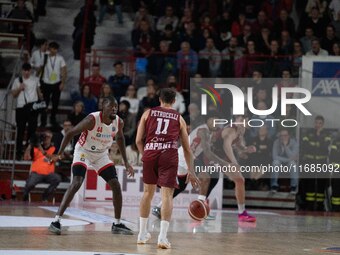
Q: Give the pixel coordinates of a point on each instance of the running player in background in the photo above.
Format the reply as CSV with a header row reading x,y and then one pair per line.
x,y
224,141
161,127
97,130
200,143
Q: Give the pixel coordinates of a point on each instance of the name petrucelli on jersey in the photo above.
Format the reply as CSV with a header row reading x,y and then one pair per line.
x,y
166,115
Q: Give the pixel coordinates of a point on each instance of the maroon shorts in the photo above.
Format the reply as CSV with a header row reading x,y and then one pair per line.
x,y
161,170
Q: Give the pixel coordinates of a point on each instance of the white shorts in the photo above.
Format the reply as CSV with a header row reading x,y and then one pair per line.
x,y
97,161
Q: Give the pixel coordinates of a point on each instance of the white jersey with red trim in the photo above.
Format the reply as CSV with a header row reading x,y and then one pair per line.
x,y
195,146
101,136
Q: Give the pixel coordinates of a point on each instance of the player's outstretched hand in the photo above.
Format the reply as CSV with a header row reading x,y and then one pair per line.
x,y
193,179
130,171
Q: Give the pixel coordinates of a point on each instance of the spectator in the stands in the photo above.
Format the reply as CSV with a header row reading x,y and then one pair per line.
x,y
163,63
179,104
245,36
261,22
89,100
96,80
129,121
169,35
77,113
285,152
207,24
297,58
143,39
168,19
273,64
189,35
105,91
144,15
321,5
187,59
54,80
270,126
334,7
237,25
263,40
335,49
120,81
26,89
330,38
284,22
194,115
229,55
306,40
316,49
223,39
336,25
149,101
38,57
286,43
186,19
315,22
211,58
42,168
131,97
20,11
224,23
133,156
77,34
58,137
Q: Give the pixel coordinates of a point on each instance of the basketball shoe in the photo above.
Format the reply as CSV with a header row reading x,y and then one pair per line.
x,y
245,217
143,238
120,229
163,243
156,211
55,228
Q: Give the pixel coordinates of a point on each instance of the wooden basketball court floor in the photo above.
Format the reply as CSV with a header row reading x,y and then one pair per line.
x,y
88,232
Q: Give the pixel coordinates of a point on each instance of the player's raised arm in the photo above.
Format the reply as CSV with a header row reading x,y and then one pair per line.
x,y
187,153
141,132
86,124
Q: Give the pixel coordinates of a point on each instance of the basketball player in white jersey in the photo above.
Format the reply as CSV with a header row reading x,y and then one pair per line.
x,y
225,141
200,143
97,130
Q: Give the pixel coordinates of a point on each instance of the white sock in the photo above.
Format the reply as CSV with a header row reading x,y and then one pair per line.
x,y
201,197
164,229
57,218
159,204
143,223
116,221
241,208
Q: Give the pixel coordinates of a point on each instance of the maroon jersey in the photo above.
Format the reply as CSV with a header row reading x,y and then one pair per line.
x,y
162,129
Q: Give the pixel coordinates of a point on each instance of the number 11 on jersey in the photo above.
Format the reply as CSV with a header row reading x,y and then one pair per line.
x,y
160,122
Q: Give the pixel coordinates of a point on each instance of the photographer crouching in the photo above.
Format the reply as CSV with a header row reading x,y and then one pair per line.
x,y
42,170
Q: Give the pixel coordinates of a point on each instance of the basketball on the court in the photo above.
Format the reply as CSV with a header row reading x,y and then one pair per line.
x,y
198,210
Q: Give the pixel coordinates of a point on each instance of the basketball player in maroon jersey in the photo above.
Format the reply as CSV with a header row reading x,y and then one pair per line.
x,y
225,140
97,130
161,127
